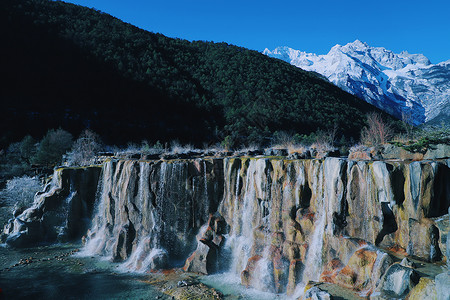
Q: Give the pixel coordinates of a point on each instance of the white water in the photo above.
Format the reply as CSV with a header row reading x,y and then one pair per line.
x,y
230,284
96,240
252,213
105,226
313,261
144,257
241,240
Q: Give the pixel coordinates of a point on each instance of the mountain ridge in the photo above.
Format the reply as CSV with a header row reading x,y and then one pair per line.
x,y
75,67
399,83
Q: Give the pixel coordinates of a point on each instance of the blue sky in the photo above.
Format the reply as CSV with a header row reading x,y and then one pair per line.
x,y
311,26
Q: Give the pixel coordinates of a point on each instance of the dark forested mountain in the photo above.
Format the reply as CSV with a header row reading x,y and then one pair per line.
x,y
70,66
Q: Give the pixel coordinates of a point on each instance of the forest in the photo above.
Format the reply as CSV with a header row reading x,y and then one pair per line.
x,y
73,67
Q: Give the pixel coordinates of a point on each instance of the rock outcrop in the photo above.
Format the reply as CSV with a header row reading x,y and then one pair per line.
x,y
274,222
149,212
61,212
290,219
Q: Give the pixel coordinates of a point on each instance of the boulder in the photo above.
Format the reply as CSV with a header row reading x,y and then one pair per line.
x,y
324,153
205,259
275,152
397,282
202,261
357,273
407,263
315,293
425,289
300,155
360,153
390,151
443,286
439,151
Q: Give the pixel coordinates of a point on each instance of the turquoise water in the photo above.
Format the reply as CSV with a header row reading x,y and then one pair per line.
x,y
54,273
230,286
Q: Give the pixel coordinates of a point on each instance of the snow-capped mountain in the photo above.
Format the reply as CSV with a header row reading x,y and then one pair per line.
x,y
397,83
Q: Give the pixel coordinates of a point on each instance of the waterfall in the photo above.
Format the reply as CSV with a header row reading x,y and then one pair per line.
x,y
314,258
242,234
148,213
276,221
97,236
313,262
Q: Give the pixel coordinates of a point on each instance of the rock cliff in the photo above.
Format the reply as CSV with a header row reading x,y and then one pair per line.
x,y
61,212
277,223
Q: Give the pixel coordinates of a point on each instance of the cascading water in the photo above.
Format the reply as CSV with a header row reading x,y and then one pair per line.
x,y
148,213
313,260
97,236
242,233
282,215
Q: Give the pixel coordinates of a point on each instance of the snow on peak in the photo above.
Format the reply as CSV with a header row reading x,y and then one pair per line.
x,y
357,44
397,83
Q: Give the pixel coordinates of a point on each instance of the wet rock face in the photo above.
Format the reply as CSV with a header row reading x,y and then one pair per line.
x,y
148,206
208,257
288,219
59,213
276,223
425,289
398,281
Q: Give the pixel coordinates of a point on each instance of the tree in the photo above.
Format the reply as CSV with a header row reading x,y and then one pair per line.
x,y
84,149
377,132
52,147
27,148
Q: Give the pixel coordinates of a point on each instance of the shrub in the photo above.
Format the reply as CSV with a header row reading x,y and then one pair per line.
x,y
177,148
426,136
227,143
283,140
20,191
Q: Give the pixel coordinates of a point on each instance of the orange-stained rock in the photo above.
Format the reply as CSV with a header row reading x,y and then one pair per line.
x,y
280,269
246,275
360,155
295,272
357,273
331,269
399,250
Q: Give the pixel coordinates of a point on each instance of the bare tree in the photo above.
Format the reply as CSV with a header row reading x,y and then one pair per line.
x,y
408,124
377,132
85,149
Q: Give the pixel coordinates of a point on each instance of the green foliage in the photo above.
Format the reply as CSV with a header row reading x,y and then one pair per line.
x,y
158,145
227,143
16,159
52,147
425,137
146,148
196,91
27,148
11,162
